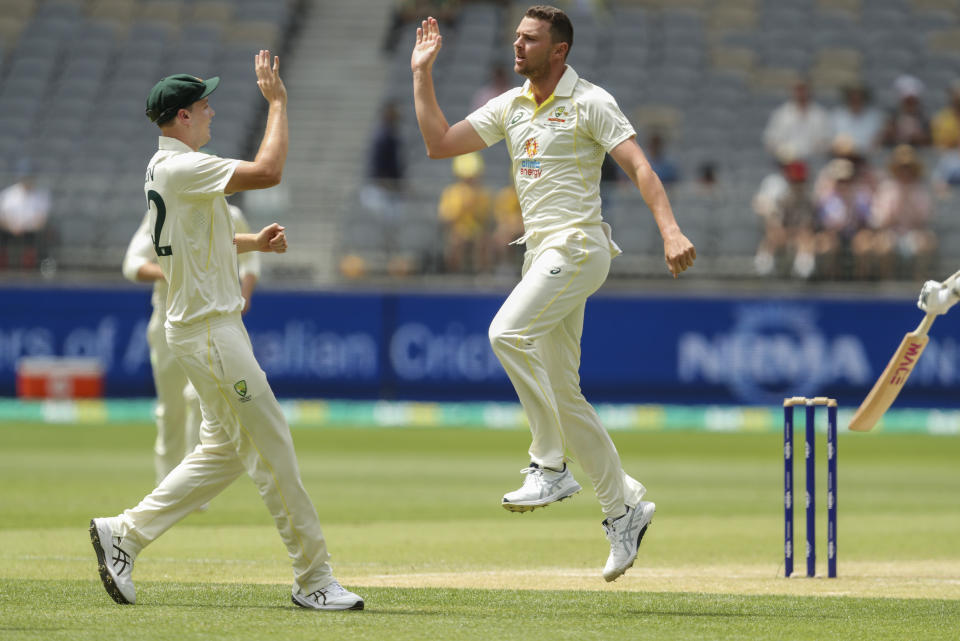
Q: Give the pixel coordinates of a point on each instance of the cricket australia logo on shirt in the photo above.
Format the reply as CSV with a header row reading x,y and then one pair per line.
x,y
530,168
558,115
240,387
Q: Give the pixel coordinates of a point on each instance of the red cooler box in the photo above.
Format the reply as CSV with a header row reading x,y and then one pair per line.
x,y
54,377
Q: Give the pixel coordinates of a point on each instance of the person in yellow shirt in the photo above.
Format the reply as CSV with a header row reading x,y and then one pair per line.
x,y
946,124
464,211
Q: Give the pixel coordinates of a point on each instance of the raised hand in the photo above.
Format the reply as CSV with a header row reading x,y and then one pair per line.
x,y
428,45
268,78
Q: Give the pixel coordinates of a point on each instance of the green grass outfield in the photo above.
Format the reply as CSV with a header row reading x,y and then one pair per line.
x,y
413,521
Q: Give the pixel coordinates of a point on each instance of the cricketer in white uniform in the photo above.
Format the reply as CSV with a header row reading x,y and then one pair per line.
x,y
557,128
177,411
243,428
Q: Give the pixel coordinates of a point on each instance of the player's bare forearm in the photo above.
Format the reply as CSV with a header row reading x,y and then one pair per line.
x,y
271,238
440,139
149,272
266,170
247,284
678,252
245,243
433,124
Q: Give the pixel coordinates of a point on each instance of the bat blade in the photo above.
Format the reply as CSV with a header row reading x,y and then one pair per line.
x,y
888,386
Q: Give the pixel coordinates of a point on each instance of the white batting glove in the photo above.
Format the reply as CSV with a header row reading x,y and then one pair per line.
x,y
936,298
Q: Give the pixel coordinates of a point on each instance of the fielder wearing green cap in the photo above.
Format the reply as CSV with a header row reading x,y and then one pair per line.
x,y
243,428
177,92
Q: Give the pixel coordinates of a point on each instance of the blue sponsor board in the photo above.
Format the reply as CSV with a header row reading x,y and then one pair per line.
x,y
732,350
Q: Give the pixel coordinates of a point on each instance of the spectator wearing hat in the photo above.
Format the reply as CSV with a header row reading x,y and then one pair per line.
x,y
799,123
787,213
843,212
903,241
464,211
857,120
907,124
863,174
24,208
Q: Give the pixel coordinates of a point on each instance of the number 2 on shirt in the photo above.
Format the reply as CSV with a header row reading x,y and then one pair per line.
x,y
154,197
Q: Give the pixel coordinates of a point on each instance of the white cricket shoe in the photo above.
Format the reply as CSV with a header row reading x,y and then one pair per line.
x,y
625,534
332,597
114,562
542,487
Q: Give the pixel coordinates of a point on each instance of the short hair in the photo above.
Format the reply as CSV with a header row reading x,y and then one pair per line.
x,y
561,29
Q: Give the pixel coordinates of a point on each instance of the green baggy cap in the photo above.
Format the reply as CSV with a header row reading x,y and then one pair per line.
x,y
176,92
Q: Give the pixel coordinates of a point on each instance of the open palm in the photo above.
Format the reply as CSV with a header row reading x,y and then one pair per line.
x,y
428,45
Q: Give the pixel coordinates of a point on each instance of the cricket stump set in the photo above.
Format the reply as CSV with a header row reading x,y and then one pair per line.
x,y
809,457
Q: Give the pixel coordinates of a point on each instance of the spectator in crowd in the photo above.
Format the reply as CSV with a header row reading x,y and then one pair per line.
x,y
383,194
464,210
706,182
901,219
666,170
800,124
843,212
844,147
24,208
408,11
946,175
787,211
499,83
385,167
907,124
946,123
774,185
505,255
857,120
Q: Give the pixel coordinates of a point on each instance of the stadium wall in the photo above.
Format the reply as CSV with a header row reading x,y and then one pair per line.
x,y
736,350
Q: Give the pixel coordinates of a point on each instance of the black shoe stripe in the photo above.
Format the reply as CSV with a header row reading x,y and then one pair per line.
x,y
108,583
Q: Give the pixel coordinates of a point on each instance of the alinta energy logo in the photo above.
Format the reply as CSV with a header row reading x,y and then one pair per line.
x,y
531,146
530,168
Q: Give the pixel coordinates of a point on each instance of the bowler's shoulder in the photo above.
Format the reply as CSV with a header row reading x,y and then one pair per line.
x,y
587,92
505,99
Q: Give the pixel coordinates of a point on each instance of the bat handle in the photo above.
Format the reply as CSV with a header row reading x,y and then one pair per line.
x,y
924,325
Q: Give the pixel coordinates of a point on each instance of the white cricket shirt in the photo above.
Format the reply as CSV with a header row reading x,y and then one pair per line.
x,y
557,148
140,251
192,232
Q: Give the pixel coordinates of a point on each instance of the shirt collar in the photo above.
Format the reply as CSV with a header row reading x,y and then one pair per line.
x,y
172,144
564,88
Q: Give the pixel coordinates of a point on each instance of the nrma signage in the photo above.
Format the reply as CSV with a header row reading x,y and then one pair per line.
x,y
772,351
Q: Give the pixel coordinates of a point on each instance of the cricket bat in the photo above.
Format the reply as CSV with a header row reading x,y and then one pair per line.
x,y
888,386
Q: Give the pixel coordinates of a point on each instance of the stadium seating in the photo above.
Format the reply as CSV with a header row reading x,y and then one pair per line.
x,y
74,74
708,74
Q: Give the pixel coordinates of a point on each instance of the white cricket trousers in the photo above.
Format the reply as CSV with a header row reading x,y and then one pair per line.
x,y
536,335
243,429
173,441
